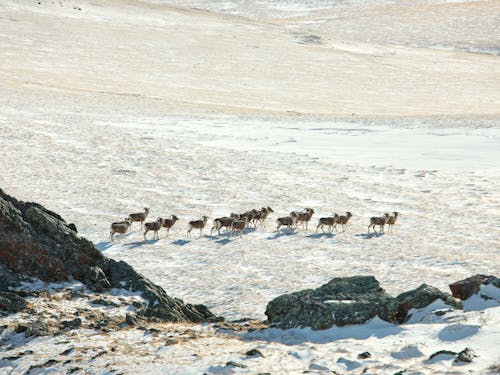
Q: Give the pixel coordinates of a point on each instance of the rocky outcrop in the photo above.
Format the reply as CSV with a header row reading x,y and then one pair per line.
x,y
160,304
349,300
465,288
11,302
421,297
36,242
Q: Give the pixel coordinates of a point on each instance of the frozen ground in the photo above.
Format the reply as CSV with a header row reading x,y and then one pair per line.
x,y
125,104
101,169
195,349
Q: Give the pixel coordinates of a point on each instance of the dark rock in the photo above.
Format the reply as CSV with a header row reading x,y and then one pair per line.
x,y
170,342
68,351
96,280
131,319
100,354
349,300
104,302
12,302
11,358
421,297
34,367
235,364
151,331
467,355
442,352
160,304
72,226
37,242
254,353
364,355
72,324
50,363
138,305
465,288
33,329
7,278
20,355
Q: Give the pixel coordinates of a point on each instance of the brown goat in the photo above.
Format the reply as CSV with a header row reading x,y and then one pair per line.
x,y
169,223
328,221
264,213
288,221
250,216
304,216
139,216
120,227
238,226
155,226
343,220
392,220
222,222
197,224
380,221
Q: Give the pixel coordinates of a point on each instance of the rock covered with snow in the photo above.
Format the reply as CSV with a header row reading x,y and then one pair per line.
x,y
345,300
349,300
38,243
421,297
11,302
465,288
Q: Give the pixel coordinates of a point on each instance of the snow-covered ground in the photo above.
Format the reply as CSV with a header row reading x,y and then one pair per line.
x,y
125,104
99,170
195,349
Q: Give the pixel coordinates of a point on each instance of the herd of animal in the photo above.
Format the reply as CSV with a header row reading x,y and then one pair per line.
x,y
236,223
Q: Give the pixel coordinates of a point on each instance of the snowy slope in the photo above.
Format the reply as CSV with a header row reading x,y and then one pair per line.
x,y
111,106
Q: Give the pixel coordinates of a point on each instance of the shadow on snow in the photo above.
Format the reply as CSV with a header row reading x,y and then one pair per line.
x,y
374,328
368,236
321,235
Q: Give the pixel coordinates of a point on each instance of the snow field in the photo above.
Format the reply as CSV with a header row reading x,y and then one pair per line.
x,y
100,171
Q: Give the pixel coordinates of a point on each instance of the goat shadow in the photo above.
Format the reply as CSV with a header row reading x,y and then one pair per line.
x,y
180,242
103,245
321,235
223,241
226,236
282,234
133,245
368,236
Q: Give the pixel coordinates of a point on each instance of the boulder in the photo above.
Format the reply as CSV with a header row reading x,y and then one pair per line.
x,y
33,329
465,288
467,355
421,297
38,243
95,279
71,324
161,305
347,300
11,302
254,353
